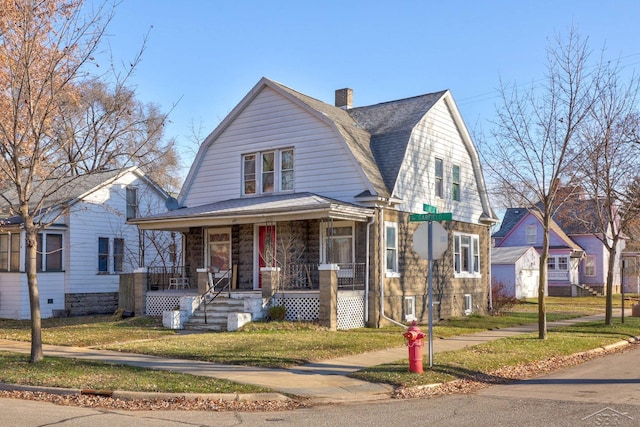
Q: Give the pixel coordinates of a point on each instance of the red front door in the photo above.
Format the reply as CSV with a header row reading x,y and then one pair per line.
x,y
266,249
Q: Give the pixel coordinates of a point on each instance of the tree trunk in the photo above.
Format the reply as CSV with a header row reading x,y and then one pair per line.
x,y
542,282
34,294
608,320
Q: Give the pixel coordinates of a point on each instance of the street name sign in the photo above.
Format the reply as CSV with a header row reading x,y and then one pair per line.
x,y
444,216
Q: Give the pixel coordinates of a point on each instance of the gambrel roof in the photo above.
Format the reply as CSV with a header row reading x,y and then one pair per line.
x,y
377,136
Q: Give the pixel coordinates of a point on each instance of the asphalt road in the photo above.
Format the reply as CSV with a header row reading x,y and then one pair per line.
x,y
602,392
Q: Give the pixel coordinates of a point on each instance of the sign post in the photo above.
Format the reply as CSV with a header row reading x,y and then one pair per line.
x,y
430,243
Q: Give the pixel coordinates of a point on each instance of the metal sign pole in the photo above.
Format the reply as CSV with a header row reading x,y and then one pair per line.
x,y
430,250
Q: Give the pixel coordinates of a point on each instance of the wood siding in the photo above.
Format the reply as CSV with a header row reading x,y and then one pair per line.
x,y
269,122
437,136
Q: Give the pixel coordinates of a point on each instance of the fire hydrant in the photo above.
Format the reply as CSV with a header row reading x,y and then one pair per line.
x,y
414,337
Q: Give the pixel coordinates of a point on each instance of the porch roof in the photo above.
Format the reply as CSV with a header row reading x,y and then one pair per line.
x,y
247,210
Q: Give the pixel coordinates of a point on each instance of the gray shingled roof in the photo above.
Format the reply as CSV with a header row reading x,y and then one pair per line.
x,y
511,217
507,254
390,125
60,191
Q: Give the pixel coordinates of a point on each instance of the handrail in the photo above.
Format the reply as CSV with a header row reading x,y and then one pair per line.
x,y
211,290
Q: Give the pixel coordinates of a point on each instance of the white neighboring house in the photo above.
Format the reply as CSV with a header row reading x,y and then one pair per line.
x,y
81,256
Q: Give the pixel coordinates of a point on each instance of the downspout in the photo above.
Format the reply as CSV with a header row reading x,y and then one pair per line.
x,y
367,274
382,268
490,278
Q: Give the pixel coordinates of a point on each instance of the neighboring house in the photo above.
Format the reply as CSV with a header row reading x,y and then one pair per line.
x,y
516,268
81,255
288,182
578,259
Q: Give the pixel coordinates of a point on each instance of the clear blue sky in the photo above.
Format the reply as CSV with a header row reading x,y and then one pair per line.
x,y
205,55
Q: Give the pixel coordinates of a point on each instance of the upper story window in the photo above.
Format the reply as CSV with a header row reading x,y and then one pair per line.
x,y
439,178
132,202
532,234
466,255
10,252
267,172
455,189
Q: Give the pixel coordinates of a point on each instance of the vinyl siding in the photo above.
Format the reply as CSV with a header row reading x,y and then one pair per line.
x,y
437,136
271,121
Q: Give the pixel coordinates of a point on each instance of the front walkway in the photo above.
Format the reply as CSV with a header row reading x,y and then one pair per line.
x,y
322,382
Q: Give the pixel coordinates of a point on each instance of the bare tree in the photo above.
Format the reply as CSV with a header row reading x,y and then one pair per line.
x,y
46,49
535,134
608,164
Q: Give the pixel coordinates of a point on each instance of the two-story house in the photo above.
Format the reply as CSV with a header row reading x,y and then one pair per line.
x,y
578,257
82,254
290,183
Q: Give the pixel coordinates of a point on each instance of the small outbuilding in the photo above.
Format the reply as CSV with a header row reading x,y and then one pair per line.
x,y
517,269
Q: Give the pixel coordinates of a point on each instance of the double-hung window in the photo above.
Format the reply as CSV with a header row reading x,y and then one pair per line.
x,y
532,234
337,242
110,255
10,252
455,190
391,245
590,266
219,248
132,202
49,252
466,255
439,178
268,172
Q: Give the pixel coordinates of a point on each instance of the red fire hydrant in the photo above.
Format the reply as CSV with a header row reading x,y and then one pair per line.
x,y
414,341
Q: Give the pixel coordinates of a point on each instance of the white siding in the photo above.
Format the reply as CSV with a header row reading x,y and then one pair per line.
x,y
103,214
437,136
11,295
271,121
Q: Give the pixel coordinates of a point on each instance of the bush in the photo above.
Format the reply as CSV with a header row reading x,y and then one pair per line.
x,y
277,312
501,300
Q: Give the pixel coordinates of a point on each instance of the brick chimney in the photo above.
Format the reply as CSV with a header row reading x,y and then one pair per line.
x,y
344,98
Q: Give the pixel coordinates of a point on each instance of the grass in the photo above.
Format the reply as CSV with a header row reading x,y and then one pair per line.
x,y
281,344
506,352
75,373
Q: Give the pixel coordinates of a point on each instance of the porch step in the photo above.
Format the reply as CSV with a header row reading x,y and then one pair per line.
x,y
589,291
216,316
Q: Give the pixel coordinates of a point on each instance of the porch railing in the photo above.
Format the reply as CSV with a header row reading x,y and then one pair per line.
x,y
170,277
305,276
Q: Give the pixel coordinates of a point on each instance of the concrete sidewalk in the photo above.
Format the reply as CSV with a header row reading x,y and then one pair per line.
x,y
322,382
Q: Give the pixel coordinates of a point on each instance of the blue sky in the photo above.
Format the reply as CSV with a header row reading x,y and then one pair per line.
x,y
205,55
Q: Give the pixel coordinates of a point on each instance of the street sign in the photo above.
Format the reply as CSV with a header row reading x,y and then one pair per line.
x,y
444,216
429,208
439,240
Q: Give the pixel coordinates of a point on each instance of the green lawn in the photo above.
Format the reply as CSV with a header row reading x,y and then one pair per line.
x,y
281,344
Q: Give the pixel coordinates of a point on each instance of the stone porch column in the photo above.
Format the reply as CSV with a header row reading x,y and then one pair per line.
x,y
140,291
328,314
270,281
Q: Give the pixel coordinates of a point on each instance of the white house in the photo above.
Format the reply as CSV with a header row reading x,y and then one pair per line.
x,y
289,182
82,254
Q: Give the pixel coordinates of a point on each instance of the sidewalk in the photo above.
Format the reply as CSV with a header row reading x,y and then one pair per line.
x,y
322,382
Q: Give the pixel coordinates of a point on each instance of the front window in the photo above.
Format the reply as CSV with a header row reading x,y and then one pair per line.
x,y
455,191
10,252
268,172
219,247
337,243
49,250
466,254
391,243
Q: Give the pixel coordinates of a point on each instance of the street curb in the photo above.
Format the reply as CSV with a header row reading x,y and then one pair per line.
x,y
136,395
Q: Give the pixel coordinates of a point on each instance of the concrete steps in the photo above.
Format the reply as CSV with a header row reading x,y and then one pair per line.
x,y
217,313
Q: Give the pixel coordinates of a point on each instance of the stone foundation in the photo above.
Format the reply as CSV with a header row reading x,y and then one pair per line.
x,y
82,304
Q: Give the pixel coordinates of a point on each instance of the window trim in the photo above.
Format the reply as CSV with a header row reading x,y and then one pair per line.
x,y
395,270
455,183
44,254
324,239
531,234
473,260
439,178
278,172
218,230
409,308
12,255
118,257
132,202
590,263
104,256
